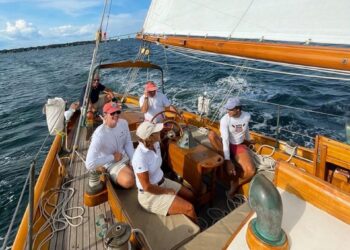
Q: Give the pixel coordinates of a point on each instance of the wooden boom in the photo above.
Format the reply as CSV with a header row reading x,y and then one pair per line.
x,y
316,56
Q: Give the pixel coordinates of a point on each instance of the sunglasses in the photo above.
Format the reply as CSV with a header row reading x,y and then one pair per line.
x,y
118,112
96,80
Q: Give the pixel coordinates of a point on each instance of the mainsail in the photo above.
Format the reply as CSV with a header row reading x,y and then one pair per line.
x,y
292,28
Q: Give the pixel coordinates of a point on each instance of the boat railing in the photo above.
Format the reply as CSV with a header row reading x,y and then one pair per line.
x,y
31,179
278,110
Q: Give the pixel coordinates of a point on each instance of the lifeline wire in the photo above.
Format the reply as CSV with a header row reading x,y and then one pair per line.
x,y
173,50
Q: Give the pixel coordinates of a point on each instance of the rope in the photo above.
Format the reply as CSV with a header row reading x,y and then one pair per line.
x,y
24,189
109,11
294,66
173,50
58,219
241,18
130,77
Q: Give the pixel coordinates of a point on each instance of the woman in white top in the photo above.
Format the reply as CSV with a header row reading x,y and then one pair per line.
x,y
157,194
233,144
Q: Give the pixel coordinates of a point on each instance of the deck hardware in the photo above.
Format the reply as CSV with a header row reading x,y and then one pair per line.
x,y
266,201
117,236
94,184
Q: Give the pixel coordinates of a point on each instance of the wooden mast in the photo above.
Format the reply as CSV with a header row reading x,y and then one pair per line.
x,y
316,56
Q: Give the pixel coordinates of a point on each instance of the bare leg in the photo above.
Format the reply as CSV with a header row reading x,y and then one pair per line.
x,y
244,176
186,193
181,206
126,178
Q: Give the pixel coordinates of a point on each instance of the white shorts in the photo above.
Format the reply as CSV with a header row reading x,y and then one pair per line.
x,y
159,203
114,168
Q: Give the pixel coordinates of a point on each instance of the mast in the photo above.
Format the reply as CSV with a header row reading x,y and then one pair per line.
x,y
316,56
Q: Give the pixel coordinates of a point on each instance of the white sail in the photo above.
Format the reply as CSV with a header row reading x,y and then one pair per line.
x,y
318,21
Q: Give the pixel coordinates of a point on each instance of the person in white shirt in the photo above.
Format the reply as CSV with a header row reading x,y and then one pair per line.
x,y
111,147
233,144
153,102
157,194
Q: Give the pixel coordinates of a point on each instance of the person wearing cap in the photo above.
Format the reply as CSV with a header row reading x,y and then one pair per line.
x,y
96,89
153,102
233,144
157,194
111,147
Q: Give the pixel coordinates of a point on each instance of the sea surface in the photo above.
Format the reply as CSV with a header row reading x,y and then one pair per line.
x,y
28,79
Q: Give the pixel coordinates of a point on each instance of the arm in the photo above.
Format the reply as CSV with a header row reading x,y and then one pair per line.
x,y
92,159
144,103
129,147
154,189
225,137
247,139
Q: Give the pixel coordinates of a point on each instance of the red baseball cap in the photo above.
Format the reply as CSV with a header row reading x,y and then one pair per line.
x,y
150,86
111,107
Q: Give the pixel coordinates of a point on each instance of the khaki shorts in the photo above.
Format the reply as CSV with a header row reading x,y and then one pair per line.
x,y
159,203
114,168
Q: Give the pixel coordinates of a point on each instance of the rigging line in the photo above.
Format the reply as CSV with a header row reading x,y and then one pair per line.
x,y
289,65
228,93
24,187
260,70
241,18
87,90
109,12
301,109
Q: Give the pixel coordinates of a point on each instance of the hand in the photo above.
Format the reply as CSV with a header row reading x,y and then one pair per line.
x,y
169,191
145,93
74,106
109,95
101,170
117,156
230,168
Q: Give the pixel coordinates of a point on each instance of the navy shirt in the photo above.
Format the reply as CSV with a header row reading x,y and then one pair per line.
x,y
93,95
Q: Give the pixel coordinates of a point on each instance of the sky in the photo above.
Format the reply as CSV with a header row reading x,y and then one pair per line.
x,y
27,23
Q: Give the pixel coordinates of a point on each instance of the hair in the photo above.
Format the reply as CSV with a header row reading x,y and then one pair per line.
x,y
147,142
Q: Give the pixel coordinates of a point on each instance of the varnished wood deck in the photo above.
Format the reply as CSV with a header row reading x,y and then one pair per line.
x,y
85,236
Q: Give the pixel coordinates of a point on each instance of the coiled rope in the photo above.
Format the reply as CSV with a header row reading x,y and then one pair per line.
x,y
59,219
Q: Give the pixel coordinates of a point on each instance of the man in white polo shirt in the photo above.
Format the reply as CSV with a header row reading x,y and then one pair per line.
x,y
233,144
153,102
111,148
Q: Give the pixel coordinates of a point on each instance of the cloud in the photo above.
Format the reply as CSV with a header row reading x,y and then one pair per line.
x,y
71,30
19,29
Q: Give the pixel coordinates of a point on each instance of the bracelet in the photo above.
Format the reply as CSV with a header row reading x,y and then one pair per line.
x,y
146,97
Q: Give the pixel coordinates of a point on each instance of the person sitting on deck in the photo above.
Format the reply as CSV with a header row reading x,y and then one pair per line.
x,y
111,147
157,194
96,89
153,102
233,144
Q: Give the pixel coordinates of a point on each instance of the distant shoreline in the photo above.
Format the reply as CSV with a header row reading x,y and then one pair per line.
x,y
46,46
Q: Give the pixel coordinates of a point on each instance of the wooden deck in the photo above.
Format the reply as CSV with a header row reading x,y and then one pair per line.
x,y
87,235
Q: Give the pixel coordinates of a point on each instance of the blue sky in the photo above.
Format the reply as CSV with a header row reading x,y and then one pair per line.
x,y
25,23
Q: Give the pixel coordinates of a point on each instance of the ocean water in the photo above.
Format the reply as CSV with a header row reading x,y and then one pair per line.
x,y
28,79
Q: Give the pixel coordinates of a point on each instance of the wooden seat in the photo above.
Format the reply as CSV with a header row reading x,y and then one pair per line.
x,y
162,232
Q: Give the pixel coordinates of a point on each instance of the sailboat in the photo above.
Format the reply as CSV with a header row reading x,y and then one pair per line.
x,y
301,202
